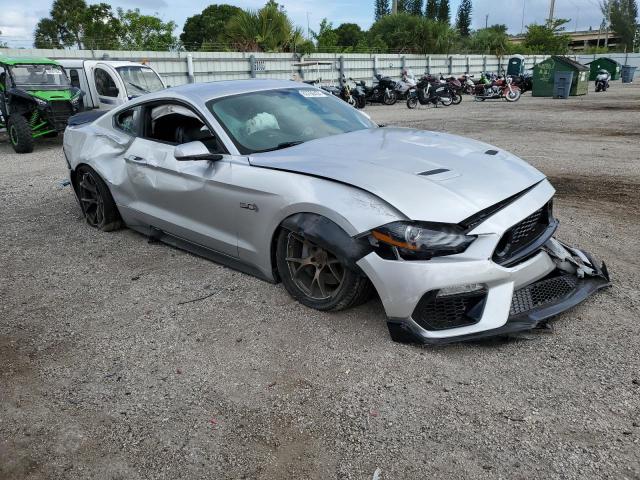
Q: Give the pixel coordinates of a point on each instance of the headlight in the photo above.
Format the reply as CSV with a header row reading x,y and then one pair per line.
x,y
420,241
40,102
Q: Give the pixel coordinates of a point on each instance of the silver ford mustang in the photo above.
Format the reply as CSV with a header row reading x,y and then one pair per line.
x,y
284,181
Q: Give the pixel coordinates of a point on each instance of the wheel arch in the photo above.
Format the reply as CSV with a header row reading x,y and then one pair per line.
x,y
325,232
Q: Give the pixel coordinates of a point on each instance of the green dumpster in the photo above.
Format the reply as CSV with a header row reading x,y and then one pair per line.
x,y
604,63
544,76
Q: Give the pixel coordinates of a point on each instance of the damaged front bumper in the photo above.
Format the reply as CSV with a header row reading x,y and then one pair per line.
x,y
491,300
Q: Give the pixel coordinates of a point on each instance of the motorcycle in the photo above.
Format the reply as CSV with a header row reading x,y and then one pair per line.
x,y
602,80
468,85
523,82
456,88
381,92
358,93
429,91
497,88
406,83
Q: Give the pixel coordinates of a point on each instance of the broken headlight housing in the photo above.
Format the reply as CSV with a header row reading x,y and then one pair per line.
x,y
419,240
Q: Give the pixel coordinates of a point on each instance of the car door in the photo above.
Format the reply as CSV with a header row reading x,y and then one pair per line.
x,y
108,87
188,199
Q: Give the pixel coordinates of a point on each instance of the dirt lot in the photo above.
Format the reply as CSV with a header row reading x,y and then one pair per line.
x,y
107,374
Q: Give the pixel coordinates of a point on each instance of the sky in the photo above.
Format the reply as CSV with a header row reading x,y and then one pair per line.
x,y
19,18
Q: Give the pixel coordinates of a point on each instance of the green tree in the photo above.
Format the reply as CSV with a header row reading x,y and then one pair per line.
x,y
268,29
349,34
406,33
2,44
463,18
432,9
145,32
492,40
101,29
326,38
444,11
207,28
415,7
547,39
381,9
624,15
74,23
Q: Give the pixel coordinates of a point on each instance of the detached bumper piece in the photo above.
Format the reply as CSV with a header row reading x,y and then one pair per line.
x,y
531,306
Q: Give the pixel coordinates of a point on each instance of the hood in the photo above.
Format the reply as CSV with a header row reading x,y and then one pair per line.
x,y
427,176
52,95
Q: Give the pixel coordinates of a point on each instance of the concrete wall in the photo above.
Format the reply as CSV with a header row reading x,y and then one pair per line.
x,y
210,66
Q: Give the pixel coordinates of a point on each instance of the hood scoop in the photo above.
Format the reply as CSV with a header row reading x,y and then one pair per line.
x,y
439,174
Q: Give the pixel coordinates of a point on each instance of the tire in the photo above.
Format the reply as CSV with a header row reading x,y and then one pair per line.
x,y
20,134
412,102
351,290
446,101
96,202
361,102
513,96
390,98
456,99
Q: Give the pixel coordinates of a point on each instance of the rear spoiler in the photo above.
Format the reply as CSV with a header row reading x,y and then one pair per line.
x,y
85,117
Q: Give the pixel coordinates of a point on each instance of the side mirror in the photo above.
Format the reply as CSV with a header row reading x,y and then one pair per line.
x,y
194,151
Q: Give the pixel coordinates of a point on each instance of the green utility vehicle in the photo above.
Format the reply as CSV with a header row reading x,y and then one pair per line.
x,y
36,99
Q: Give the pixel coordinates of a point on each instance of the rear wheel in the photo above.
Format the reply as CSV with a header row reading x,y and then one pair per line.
x,y
361,102
20,134
96,201
456,99
446,101
316,277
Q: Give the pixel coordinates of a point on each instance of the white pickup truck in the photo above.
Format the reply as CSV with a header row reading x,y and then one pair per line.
x,y
109,83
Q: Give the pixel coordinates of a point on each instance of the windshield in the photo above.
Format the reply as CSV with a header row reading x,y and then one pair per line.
x,y
40,76
140,80
273,119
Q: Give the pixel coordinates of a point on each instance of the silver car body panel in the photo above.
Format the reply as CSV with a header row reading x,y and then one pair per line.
x,y
359,180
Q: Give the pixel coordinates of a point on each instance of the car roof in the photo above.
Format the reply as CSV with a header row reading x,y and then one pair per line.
x,y
210,90
27,61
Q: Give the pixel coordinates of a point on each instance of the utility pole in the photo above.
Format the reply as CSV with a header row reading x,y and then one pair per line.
x,y
308,36
606,35
522,26
486,21
552,6
394,7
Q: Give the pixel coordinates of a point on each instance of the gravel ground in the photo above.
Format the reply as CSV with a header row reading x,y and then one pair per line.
x,y
108,374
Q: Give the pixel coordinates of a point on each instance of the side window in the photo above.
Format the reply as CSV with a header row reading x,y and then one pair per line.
x,y
127,121
175,124
104,83
74,78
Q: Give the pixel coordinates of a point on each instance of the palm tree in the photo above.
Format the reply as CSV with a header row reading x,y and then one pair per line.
x,y
268,29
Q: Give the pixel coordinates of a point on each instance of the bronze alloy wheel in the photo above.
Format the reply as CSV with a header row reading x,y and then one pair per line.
x,y
91,200
315,271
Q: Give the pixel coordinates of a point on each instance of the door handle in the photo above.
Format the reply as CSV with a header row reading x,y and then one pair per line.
x,y
134,158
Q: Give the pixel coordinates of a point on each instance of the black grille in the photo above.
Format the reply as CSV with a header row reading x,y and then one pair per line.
x,y
451,311
60,113
542,292
523,234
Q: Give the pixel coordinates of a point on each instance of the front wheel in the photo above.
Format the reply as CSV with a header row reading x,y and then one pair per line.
x,y
316,277
512,96
361,102
390,98
20,134
456,99
412,101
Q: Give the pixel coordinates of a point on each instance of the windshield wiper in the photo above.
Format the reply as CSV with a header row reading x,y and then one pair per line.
x,y
282,145
138,87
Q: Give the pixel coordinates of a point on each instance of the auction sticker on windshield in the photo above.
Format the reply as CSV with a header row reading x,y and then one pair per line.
x,y
311,93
